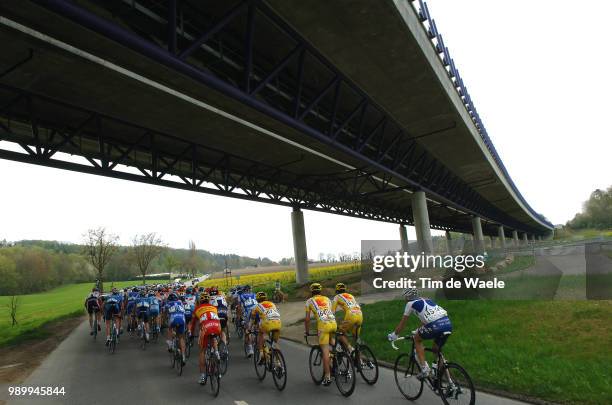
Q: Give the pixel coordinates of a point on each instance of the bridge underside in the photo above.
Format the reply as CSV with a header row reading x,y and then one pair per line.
x,y
75,99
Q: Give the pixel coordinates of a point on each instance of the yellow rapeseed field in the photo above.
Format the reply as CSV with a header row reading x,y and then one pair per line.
x,y
285,277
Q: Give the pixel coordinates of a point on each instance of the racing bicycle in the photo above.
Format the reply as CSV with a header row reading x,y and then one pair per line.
x,y
448,380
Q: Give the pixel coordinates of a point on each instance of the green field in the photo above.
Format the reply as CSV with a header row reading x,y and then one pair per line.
x,y
553,350
38,309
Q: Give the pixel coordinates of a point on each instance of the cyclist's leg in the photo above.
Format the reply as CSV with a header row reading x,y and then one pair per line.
x,y
108,320
99,317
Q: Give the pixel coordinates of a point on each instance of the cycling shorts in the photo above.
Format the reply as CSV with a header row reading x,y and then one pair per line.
x,y
144,315
130,307
208,328
351,324
178,323
435,330
110,310
272,326
91,308
153,312
325,330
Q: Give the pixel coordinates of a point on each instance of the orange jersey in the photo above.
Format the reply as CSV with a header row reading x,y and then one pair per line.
x,y
206,312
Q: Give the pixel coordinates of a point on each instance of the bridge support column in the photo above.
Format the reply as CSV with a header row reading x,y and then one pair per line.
x,y
478,237
449,243
515,240
421,222
403,237
502,237
540,238
525,239
492,242
299,246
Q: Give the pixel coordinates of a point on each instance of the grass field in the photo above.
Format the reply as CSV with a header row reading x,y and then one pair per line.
x,y
38,309
553,350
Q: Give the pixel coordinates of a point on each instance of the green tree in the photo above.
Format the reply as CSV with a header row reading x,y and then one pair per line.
x,y
9,276
596,212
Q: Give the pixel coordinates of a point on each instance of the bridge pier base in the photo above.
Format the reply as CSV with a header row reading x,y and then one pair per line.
x,y
502,237
492,242
403,237
421,222
478,236
525,239
299,246
515,240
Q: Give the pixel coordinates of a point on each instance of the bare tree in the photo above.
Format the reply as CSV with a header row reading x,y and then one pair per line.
x,y
192,261
99,248
13,307
145,248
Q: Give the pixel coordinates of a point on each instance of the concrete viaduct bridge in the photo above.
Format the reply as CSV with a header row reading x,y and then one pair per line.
x,y
348,107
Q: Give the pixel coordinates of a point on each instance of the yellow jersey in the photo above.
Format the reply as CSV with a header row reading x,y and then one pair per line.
x,y
320,306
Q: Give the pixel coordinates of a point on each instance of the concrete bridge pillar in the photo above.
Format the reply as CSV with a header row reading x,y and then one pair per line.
x,y
502,237
449,243
492,242
478,236
299,246
403,237
540,238
515,240
525,239
421,222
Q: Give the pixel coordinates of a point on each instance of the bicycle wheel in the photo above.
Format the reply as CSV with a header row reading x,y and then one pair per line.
x,y
188,345
260,370
455,385
213,374
179,362
405,372
315,364
224,354
365,362
279,369
239,330
344,373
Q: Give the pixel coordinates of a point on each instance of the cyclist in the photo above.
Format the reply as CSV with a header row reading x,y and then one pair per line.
x,y
176,321
129,309
141,307
92,304
247,303
154,311
320,306
217,298
266,316
112,308
206,315
353,318
434,322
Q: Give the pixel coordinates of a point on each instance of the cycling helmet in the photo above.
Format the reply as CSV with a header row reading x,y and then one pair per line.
x,y
142,293
189,290
246,288
204,297
134,290
214,291
261,296
95,289
173,297
114,290
340,288
411,294
316,288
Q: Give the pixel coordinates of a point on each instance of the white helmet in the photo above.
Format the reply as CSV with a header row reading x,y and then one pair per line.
x,y
411,294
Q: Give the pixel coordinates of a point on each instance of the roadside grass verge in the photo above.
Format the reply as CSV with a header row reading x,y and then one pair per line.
x,y
519,263
553,350
35,310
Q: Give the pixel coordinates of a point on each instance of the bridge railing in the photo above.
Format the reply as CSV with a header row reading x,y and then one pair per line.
x,y
437,41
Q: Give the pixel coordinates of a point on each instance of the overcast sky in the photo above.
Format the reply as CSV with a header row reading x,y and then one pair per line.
x,y
536,71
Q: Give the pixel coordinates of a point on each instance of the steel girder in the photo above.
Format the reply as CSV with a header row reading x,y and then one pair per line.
x,y
221,51
110,146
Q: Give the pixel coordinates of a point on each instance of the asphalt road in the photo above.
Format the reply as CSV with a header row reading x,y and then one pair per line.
x,y
91,375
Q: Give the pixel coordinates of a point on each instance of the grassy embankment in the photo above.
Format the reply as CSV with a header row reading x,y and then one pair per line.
x,y
553,350
35,310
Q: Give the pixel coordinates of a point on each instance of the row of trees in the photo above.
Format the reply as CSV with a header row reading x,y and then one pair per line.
x,y
596,212
33,266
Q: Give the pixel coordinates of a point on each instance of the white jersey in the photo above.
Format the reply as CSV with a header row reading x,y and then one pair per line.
x,y
218,300
427,310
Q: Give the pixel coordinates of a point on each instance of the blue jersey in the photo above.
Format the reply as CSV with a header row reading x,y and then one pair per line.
x,y
142,304
113,299
248,302
189,304
176,310
153,304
